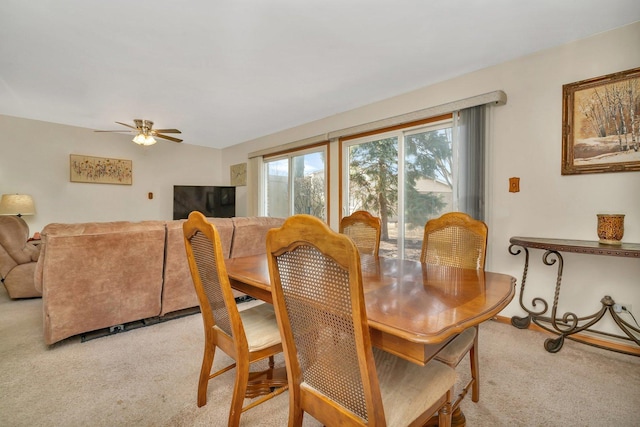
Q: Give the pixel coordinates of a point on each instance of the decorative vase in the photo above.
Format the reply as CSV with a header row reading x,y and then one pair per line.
x,y
611,228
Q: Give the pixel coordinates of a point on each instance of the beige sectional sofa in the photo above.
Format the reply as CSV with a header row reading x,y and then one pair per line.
x,y
99,275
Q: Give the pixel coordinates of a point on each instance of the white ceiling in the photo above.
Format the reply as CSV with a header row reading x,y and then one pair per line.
x,y
225,72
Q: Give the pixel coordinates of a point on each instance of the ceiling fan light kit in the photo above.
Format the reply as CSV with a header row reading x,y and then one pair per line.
x,y
142,139
145,132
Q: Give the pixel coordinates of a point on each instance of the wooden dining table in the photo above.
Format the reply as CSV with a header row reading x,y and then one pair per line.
x,y
413,308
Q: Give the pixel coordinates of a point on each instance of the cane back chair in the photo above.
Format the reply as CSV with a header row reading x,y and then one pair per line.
x,y
457,240
246,336
364,229
334,374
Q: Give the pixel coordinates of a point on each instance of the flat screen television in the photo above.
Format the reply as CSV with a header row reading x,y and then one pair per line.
x,y
212,201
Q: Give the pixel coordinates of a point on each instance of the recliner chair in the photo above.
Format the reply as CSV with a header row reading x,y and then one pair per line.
x,y
18,258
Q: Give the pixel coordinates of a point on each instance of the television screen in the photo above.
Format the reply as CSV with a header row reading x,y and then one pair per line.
x,y
211,201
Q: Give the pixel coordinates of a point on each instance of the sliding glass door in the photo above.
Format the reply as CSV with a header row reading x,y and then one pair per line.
x,y
403,176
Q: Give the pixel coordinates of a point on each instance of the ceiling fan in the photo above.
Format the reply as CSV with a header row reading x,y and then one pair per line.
x,y
145,132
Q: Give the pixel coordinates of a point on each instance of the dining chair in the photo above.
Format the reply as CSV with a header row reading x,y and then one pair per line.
x,y
334,373
246,336
457,240
364,229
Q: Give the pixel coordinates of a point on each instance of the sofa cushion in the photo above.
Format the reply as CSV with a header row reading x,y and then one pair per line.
x,y
250,235
225,227
178,292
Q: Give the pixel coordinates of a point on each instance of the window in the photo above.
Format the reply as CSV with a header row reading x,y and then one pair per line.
x,y
421,158
295,182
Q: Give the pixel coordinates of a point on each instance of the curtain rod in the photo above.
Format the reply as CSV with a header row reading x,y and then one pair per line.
x,y
497,97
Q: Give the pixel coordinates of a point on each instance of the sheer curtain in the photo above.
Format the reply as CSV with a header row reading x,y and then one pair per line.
x,y
470,126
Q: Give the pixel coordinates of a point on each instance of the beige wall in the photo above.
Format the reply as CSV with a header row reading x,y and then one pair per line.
x,y
34,159
526,142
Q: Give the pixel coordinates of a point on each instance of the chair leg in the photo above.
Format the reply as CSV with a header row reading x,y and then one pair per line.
x,y
475,369
239,391
295,413
205,373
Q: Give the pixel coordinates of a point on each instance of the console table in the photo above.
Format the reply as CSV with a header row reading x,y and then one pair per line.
x,y
569,323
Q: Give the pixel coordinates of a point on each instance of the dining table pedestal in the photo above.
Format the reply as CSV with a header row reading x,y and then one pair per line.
x,y
264,382
457,419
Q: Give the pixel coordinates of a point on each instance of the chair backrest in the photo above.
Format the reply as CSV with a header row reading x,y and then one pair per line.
x,y
364,229
456,240
209,274
319,302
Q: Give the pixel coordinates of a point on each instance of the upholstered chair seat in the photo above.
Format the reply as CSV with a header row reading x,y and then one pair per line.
x,y
455,351
260,327
407,388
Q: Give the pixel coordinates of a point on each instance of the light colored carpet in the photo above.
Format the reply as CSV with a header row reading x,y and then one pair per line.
x,y
148,377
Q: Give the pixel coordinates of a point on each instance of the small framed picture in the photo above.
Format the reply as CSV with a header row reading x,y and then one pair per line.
x,y
238,174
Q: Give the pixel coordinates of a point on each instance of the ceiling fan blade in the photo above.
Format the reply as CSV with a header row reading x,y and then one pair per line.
x,y
125,131
166,131
129,126
170,138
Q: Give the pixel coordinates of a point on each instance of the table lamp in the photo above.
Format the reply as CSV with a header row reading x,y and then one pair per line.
x,y
17,204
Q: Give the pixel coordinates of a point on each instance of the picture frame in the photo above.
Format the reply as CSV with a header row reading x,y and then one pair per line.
x,y
100,170
601,124
238,174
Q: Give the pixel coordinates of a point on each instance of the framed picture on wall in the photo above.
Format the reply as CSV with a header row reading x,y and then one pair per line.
x,y
100,170
601,124
238,174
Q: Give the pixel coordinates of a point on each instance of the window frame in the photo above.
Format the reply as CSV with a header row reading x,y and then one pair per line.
x,y
290,154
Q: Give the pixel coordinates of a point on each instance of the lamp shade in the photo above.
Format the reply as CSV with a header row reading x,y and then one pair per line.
x,y
17,204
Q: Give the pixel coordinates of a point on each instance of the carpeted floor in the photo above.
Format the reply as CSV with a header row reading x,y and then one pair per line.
x,y
148,377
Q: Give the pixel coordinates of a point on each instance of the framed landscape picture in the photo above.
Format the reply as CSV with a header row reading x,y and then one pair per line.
x,y
100,170
601,124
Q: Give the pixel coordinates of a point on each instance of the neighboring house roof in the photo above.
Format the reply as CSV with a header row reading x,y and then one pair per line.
x,y
432,186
